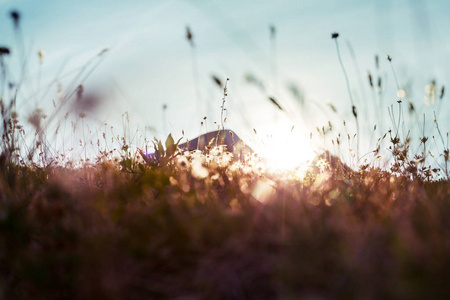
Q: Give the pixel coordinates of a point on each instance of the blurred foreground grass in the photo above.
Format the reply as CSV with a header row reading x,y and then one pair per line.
x,y
203,228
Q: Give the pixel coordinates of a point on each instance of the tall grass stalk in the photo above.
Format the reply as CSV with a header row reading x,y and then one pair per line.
x,y
446,153
222,108
195,71
347,82
273,60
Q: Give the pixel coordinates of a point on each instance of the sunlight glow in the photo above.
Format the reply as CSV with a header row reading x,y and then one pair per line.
x,y
285,148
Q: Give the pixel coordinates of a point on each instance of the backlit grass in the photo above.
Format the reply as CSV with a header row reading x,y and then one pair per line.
x,y
119,223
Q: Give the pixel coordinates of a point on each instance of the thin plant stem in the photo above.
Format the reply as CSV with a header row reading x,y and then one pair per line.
x,y
349,95
223,105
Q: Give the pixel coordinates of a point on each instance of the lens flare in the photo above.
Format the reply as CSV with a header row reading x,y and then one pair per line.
x,y
285,148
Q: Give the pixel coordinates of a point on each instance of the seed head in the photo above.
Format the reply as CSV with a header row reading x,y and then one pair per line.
x,y
103,52
41,54
189,36
217,80
15,15
4,50
275,103
80,91
273,31
370,79
334,35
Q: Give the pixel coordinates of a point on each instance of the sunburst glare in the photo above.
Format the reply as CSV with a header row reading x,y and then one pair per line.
x,y
284,147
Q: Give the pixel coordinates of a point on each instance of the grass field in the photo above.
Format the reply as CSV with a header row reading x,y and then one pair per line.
x,y
197,229
201,225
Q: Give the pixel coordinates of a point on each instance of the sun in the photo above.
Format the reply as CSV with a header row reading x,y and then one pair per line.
x,y
284,147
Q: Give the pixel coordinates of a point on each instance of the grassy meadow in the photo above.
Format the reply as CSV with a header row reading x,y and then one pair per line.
x,y
119,223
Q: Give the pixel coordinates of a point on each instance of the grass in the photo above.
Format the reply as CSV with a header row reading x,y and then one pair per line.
x,y
167,231
200,225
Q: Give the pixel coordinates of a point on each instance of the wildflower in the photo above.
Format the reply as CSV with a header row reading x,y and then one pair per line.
x,y
149,158
182,162
199,169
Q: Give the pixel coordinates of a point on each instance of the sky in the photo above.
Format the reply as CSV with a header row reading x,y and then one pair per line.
x,y
150,63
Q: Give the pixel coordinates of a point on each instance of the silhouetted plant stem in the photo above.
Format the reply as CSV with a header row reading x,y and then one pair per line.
x,y
195,76
223,104
164,109
444,145
355,114
273,58
411,106
358,72
190,38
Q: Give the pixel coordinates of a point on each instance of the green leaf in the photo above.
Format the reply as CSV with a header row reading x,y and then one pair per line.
x,y
170,145
160,148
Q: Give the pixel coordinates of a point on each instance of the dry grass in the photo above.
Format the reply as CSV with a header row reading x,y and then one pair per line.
x,y
203,228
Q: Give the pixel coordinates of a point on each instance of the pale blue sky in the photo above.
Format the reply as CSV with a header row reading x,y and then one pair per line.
x,y
150,62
